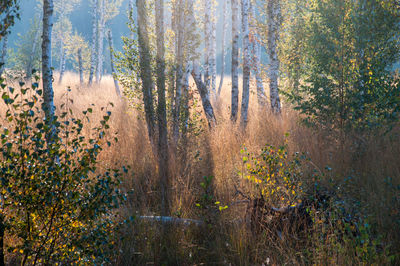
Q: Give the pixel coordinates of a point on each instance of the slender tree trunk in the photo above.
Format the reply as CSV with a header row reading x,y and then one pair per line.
x,y
93,55
110,45
48,93
207,42
196,74
3,54
80,66
261,97
161,110
274,18
62,62
235,60
224,26
33,50
2,231
246,64
99,70
179,29
145,68
205,98
213,50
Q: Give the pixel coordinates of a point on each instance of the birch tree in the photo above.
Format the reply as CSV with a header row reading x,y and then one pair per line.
x,y
246,64
145,68
213,49
256,46
47,73
207,42
3,54
161,109
224,26
93,56
80,66
274,22
194,66
235,60
101,27
110,46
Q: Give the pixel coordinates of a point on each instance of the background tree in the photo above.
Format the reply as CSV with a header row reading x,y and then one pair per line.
x,y
274,21
348,80
9,11
246,63
235,60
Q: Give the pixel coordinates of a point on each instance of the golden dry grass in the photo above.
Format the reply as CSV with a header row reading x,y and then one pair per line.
x,y
217,153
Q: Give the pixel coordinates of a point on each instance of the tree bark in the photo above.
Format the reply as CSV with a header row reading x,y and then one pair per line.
x,y
145,68
110,45
235,60
274,19
93,55
224,26
100,45
179,63
246,64
3,54
47,73
80,66
205,97
213,50
256,41
207,42
161,110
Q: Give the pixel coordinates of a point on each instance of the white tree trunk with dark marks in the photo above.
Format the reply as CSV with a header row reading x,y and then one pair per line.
x,y
93,55
256,41
205,97
193,66
47,73
235,60
110,46
213,49
100,45
80,66
246,64
224,26
3,54
207,42
274,20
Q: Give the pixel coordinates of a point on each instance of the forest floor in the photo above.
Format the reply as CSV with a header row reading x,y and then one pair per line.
x,y
365,175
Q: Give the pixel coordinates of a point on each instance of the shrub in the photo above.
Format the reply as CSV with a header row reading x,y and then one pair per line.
x,y
55,205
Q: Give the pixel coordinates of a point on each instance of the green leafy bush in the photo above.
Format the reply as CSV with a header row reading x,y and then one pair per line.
x,y
55,205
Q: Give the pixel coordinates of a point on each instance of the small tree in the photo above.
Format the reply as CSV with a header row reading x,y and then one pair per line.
x,y
54,202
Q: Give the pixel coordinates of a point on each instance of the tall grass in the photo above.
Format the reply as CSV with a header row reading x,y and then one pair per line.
x,y
367,169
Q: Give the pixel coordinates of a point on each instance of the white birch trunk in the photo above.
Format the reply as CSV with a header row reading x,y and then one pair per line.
x,y
274,17
224,26
261,97
3,54
246,64
195,71
213,49
93,55
179,61
100,45
80,66
110,46
207,42
47,78
235,60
